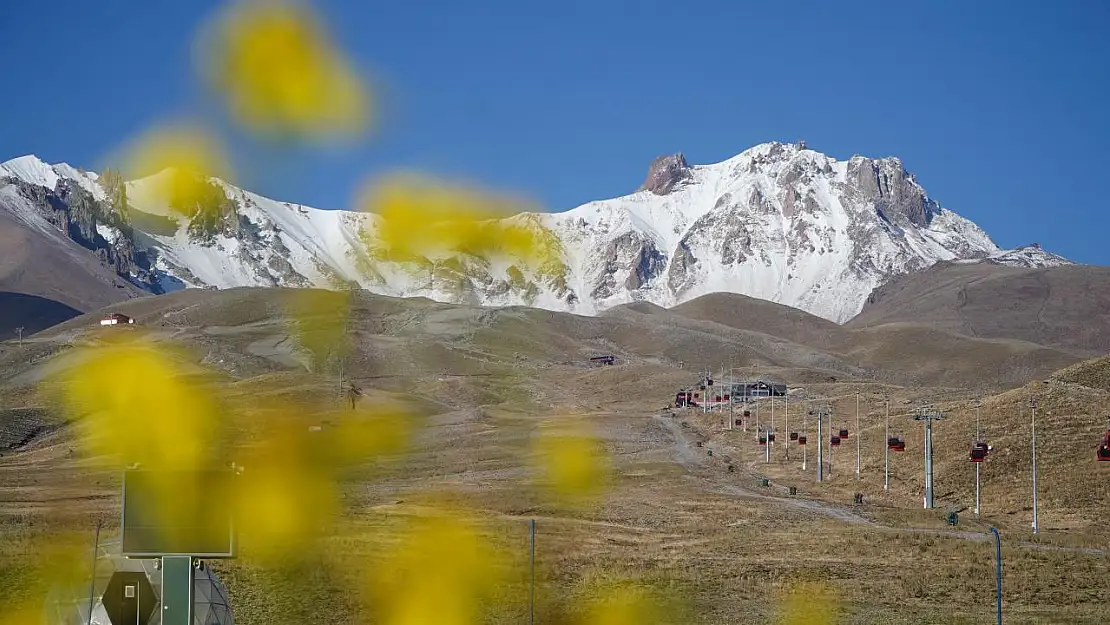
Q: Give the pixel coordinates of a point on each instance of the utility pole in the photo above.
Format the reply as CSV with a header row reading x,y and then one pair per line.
x,y
767,435
1033,405
788,435
769,443
821,413
731,399
805,424
857,436
532,569
886,449
998,572
758,425
707,384
96,553
978,405
19,333
928,415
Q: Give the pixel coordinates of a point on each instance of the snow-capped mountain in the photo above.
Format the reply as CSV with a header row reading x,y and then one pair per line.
x,y
777,222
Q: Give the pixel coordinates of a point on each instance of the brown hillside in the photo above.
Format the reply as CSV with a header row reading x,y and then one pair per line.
x,y
1066,307
62,277
1093,373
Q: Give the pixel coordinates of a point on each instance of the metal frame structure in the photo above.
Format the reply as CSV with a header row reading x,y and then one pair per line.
x,y
928,414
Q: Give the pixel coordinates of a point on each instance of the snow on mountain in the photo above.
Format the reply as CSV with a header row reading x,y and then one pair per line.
x,y
1028,256
30,169
776,222
275,244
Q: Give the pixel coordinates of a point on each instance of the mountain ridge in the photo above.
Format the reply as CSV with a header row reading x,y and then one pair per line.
x,y
777,222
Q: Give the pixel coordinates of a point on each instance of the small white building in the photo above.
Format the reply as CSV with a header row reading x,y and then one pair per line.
x,y
116,319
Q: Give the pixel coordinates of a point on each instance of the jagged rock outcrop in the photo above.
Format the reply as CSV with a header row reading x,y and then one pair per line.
x,y
895,194
666,173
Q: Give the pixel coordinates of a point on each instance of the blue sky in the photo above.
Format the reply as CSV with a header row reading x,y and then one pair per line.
x,y
1000,108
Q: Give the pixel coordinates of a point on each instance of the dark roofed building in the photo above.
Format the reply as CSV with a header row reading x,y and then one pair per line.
x,y
758,388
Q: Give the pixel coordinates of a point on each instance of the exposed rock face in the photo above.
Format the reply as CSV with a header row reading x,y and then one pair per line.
x,y
666,173
79,216
680,274
896,195
632,255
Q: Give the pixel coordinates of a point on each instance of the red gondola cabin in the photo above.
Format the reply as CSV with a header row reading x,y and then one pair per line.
x,y
683,399
801,440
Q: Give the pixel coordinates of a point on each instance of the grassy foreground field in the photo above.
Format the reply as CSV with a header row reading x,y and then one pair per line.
x,y
714,544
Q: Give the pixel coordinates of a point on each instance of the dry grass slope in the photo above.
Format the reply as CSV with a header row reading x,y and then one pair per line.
x,y
1094,373
675,516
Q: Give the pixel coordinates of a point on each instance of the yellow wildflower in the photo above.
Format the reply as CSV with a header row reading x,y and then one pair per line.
x,y
573,464
183,156
275,67
808,604
441,572
134,402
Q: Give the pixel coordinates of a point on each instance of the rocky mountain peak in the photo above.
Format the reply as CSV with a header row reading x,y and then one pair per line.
x,y
666,173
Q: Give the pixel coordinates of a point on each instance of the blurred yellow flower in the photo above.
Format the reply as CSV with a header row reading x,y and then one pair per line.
x,y
441,572
364,434
573,464
51,563
808,604
284,500
183,156
320,320
24,615
289,493
134,402
275,67
622,605
418,218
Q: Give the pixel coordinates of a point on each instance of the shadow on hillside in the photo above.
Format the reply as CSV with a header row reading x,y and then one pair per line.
x,y
31,312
